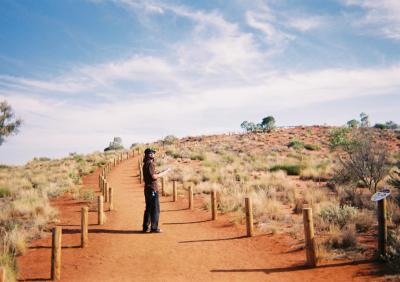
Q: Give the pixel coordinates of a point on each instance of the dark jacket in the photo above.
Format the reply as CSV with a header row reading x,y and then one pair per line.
x,y
149,171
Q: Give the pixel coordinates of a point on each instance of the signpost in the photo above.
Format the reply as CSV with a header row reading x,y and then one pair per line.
x,y
380,197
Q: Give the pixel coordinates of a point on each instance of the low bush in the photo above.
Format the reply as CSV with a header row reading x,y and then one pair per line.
x,y
364,221
296,144
393,252
342,239
338,215
291,169
4,192
312,147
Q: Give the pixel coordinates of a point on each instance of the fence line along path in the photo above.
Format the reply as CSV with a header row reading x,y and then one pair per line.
x,y
193,247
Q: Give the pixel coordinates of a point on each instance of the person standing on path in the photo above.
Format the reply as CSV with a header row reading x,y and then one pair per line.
x,y
152,211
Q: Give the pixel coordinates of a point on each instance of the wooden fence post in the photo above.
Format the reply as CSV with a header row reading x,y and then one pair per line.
x,y
214,204
190,197
84,226
382,227
174,191
162,186
100,211
56,253
2,274
100,182
309,237
110,198
249,217
106,192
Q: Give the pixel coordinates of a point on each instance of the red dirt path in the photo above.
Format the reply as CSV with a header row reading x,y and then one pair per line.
x,y
192,248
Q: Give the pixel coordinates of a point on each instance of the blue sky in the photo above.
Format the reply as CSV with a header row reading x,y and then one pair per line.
x,y
81,72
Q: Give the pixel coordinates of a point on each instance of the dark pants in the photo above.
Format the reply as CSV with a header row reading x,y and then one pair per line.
x,y
152,211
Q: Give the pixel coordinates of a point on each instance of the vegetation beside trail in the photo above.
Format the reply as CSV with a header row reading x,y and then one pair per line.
x,y
25,194
281,178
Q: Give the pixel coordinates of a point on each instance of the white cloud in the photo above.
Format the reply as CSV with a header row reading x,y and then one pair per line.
x,y
305,24
382,16
65,126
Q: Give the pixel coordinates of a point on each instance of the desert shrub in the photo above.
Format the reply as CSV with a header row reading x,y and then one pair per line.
x,y
364,221
291,169
296,144
198,156
364,161
87,194
356,197
393,210
312,147
338,215
169,140
342,238
393,250
4,192
339,137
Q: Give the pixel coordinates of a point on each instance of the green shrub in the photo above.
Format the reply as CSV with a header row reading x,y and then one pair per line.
x,y
87,194
4,192
393,253
339,137
312,147
296,144
338,215
199,157
291,169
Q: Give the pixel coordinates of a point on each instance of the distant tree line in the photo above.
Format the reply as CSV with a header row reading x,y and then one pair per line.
x,y
364,123
267,124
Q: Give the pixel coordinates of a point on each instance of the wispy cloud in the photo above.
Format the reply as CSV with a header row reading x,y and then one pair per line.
x,y
305,24
383,17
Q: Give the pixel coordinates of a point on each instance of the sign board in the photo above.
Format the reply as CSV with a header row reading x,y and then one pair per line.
x,y
380,195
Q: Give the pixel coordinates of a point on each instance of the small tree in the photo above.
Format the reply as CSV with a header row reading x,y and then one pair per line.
x,y
115,145
268,123
363,161
339,137
353,123
8,123
364,118
169,140
244,125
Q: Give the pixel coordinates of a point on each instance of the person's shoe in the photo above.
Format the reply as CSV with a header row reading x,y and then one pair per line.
x,y
156,231
146,230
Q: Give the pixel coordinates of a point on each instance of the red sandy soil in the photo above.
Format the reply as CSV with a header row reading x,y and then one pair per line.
x,y
191,248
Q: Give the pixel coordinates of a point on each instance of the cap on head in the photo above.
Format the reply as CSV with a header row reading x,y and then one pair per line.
x,y
149,151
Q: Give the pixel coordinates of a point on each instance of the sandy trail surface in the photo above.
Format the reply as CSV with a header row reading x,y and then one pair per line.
x,y
191,248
